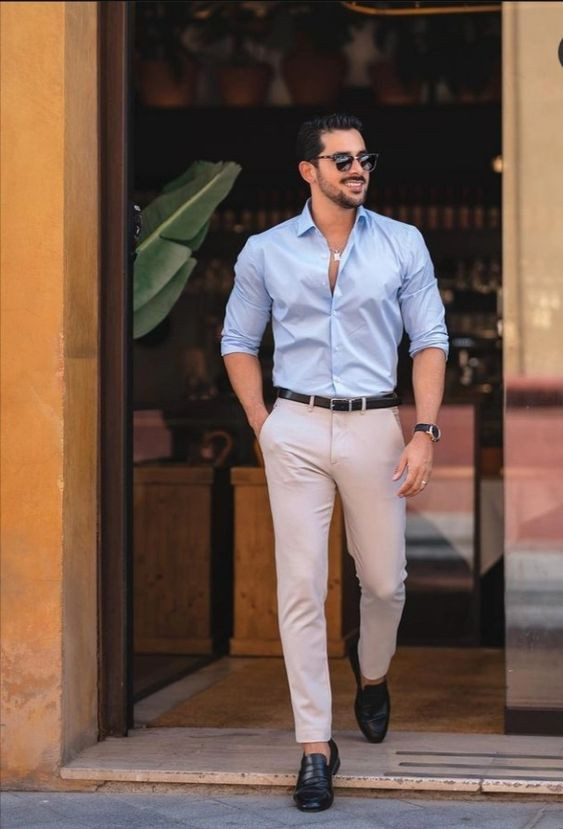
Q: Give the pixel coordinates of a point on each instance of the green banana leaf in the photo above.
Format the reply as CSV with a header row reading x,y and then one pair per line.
x,y
159,307
173,226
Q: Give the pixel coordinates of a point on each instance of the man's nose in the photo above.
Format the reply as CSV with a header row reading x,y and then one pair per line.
x,y
356,163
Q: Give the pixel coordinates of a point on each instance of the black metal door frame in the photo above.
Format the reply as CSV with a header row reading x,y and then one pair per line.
x,y
115,706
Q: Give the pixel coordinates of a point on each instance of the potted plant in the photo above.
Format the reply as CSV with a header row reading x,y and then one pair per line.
x,y
406,62
237,33
315,69
166,71
447,57
470,48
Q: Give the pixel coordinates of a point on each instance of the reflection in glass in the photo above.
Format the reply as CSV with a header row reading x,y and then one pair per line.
x,y
442,554
534,543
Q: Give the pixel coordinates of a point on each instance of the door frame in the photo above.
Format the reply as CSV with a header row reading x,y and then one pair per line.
x,y
115,629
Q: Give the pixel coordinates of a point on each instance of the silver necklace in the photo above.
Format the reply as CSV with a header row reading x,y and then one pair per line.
x,y
336,254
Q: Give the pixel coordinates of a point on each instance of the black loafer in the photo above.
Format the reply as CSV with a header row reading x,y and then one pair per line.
x,y
372,705
313,792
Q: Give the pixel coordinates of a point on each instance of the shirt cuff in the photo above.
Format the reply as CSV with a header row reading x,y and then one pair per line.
x,y
239,348
420,346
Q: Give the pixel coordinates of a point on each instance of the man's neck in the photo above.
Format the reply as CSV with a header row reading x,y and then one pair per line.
x,y
332,219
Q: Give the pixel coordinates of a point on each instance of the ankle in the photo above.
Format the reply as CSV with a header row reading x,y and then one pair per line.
x,y
366,681
317,748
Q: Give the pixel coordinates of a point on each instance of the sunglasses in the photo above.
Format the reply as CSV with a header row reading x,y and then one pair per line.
x,y
344,161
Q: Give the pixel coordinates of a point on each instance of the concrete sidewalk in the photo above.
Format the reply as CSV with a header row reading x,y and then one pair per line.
x,y
126,810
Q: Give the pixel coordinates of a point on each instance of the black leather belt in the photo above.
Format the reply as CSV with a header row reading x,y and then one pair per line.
x,y
343,404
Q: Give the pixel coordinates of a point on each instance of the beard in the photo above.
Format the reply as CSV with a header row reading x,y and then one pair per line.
x,y
347,200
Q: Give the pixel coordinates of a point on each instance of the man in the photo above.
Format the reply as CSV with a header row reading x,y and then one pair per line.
x,y
340,283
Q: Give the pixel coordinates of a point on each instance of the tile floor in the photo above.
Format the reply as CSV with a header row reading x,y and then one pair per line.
x,y
406,760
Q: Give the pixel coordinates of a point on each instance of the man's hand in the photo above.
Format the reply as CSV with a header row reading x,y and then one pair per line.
x,y
245,375
417,459
257,420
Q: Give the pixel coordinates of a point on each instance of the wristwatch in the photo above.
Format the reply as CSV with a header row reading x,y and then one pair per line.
x,y
430,429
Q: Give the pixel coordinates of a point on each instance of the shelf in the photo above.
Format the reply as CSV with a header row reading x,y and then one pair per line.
x,y
468,301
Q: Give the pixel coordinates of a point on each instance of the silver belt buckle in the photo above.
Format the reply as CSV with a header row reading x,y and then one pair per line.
x,y
347,400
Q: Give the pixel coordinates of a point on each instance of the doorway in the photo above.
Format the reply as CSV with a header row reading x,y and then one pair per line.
x,y
454,197
439,171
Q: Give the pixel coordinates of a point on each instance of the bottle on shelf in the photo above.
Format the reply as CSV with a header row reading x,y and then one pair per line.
x,y
495,274
417,208
478,277
403,209
274,213
448,210
460,275
433,210
493,216
261,215
246,220
229,219
479,210
464,210
465,369
288,210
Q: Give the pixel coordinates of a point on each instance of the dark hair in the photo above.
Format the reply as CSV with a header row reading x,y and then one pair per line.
x,y
309,144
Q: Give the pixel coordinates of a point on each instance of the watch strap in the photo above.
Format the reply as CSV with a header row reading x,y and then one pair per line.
x,y
431,429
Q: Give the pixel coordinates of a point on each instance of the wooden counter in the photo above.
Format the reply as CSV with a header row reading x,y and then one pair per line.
x,y
175,570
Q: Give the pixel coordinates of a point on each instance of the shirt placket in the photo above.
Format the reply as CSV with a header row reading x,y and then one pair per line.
x,y
335,336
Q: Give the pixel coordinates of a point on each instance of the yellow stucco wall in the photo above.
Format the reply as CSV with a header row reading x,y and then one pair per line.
x,y
49,249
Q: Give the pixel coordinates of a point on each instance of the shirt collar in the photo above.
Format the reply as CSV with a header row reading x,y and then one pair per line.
x,y
306,222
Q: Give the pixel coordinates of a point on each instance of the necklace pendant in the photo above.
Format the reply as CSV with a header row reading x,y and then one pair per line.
x,y
336,255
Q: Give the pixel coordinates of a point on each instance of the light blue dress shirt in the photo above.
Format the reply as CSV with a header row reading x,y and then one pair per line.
x,y
342,344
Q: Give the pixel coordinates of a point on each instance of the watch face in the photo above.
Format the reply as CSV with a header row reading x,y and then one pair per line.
x,y
435,432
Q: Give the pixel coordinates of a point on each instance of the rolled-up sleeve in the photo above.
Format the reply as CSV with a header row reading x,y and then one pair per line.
x,y
421,304
248,308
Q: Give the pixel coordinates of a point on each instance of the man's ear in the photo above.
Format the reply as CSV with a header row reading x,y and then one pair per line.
x,y
307,171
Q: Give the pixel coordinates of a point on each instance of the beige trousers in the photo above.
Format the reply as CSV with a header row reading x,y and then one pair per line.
x,y
308,452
